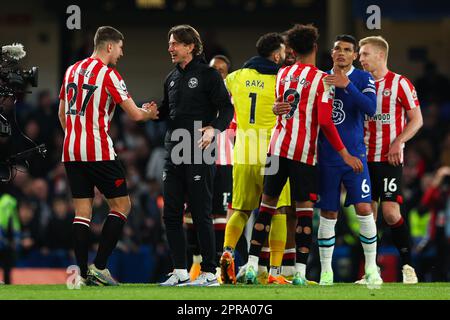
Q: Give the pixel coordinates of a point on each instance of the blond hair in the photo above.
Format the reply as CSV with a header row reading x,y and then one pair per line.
x,y
377,41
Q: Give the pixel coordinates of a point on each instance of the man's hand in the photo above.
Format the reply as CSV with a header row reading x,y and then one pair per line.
x,y
352,161
338,79
281,107
395,153
207,137
152,109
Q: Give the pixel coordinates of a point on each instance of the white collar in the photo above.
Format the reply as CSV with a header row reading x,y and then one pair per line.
x,y
348,73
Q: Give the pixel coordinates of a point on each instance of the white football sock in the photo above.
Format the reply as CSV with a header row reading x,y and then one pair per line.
x,y
368,237
326,240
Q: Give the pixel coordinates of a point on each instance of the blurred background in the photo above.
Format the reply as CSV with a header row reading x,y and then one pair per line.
x,y
41,214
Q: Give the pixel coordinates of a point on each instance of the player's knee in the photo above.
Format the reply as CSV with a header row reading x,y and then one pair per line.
x,y
331,215
307,230
303,240
256,243
260,227
303,250
122,205
363,209
391,212
392,218
390,207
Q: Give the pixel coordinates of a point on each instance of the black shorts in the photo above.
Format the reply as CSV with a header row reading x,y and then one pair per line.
x,y
223,185
386,182
107,176
303,179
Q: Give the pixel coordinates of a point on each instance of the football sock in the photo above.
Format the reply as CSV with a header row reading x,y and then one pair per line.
x,y
235,227
277,239
368,237
261,229
275,271
254,262
197,259
401,239
289,257
301,268
326,239
261,269
80,229
303,234
264,256
111,232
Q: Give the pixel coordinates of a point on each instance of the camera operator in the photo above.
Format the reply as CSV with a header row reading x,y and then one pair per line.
x,y
437,199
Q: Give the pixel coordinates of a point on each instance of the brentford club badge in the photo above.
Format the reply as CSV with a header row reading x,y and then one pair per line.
x,y
193,83
386,92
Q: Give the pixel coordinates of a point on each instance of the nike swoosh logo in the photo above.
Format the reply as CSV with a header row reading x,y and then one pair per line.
x,y
365,196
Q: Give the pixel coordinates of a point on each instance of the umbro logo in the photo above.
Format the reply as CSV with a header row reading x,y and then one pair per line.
x,y
171,84
197,178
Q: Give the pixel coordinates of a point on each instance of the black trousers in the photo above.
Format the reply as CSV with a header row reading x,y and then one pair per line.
x,y
7,263
191,183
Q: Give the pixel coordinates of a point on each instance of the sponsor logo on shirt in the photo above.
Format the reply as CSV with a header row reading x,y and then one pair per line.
x,y
338,112
383,117
123,85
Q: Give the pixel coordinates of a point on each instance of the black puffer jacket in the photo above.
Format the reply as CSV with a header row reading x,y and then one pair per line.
x,y
195,93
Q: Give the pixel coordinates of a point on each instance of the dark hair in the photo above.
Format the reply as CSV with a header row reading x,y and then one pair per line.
x,y
301,38
224,59
348,38
107,33
268,43
187,35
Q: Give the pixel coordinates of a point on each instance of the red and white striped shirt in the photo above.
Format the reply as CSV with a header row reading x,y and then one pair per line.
x,y
90,91
225,145
296,133
395,96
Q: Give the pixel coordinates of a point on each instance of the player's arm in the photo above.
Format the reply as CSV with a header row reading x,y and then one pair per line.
x,y
325,109
408,97
149,111
365,100
62,114
117,89
415,122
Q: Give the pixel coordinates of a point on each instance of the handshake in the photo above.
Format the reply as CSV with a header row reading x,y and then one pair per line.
x,y
151,108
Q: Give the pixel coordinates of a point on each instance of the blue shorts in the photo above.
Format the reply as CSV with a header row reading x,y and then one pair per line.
x,y
357,186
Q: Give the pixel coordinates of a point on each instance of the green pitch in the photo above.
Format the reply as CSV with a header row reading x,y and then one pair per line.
x,y
390,291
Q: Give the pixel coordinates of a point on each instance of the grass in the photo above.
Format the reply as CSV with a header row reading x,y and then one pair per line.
x,y
388,291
